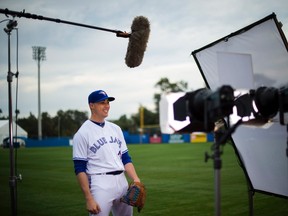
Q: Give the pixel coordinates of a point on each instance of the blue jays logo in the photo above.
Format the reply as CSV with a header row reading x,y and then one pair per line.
x,y
102,141
102,92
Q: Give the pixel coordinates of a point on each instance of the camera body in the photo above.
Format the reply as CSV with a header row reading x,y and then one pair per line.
x,y
204,107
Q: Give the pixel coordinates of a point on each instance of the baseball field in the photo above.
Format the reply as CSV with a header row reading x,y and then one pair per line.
x,y
177,179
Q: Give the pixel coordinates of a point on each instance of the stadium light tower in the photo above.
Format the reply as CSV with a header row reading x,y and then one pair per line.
x,y
39,55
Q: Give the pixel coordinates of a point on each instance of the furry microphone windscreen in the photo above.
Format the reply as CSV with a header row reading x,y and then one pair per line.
x,y
140,30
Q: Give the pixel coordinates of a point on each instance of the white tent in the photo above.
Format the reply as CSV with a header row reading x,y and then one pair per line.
x,y
4,130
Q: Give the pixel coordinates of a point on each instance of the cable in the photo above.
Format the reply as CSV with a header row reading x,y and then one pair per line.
x,y
4,20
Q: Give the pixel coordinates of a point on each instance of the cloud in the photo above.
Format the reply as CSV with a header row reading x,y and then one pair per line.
x,y
80,60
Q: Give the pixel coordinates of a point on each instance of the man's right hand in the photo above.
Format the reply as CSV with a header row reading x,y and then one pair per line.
x,y
92,206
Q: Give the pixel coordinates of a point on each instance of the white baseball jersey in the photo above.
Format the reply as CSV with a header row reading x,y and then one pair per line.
x,y
101,147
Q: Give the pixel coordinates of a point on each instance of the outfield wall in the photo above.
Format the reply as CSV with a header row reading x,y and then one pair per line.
x,y
49,142
196,137
129,138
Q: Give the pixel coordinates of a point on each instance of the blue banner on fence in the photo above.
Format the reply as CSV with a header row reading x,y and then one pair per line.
x,y
48,142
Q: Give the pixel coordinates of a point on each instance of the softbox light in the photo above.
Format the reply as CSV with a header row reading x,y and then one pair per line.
x,y
249,58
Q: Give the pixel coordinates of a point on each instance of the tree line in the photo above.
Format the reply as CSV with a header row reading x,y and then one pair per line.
x,y
66,123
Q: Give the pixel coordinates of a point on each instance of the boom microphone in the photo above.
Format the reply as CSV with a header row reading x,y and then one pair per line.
x,y
140,30
138,38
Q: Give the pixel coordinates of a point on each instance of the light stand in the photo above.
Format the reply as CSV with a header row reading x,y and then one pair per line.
x,y
221,138
12,179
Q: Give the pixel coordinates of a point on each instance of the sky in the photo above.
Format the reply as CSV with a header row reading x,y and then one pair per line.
x,y
80,60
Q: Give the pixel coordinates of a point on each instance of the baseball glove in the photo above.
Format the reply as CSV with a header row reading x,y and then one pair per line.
x,y
135,196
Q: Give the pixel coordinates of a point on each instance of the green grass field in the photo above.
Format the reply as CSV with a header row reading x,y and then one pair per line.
x,y
178,182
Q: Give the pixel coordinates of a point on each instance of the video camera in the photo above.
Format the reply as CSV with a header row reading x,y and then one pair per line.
x,y
204,107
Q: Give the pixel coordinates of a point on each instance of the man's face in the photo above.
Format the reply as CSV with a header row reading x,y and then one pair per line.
x,y
100,110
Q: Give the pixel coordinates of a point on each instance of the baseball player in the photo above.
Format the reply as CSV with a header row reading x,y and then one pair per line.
x,y
101,159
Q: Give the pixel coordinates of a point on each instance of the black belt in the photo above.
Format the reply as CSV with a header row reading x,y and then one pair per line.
x,y
111,173
114,173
